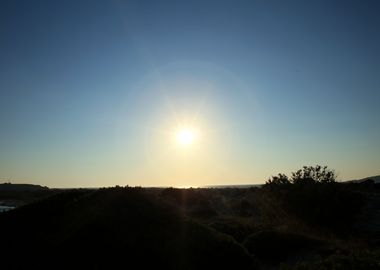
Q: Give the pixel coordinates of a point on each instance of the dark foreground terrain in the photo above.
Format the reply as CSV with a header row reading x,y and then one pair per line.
x,y
278,226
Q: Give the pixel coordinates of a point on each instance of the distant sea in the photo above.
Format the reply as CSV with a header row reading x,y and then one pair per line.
x,y
233,186
211,186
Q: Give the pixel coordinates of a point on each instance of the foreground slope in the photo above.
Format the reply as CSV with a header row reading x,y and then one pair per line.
x,y
112,228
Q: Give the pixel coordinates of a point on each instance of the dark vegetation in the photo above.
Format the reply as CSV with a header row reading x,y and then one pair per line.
x,y
305,221
109,229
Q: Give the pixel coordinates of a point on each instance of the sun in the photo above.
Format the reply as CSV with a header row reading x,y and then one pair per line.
x,y
186,136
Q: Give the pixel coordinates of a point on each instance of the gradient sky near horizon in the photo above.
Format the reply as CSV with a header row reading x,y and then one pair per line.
x,y
90,91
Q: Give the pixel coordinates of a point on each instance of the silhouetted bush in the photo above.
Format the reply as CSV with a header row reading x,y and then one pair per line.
x,y
281,180
310,174
306,176
313,195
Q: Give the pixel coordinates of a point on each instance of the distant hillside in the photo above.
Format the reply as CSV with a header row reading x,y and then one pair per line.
x,y
374,178
15,195
21,187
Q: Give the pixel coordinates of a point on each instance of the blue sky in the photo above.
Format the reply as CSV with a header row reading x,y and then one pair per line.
x,y
91,91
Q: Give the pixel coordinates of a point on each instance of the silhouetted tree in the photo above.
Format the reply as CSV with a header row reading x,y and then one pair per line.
x,y
279,180
310,174
313,195
306,175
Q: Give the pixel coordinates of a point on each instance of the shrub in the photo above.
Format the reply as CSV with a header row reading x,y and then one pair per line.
x,y
313,195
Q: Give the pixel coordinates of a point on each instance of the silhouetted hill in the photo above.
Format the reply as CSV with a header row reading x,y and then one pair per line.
x,y
15,195
112,229
375,179
21,187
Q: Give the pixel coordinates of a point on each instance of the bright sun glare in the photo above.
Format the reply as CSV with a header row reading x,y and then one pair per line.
x,y
186,136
